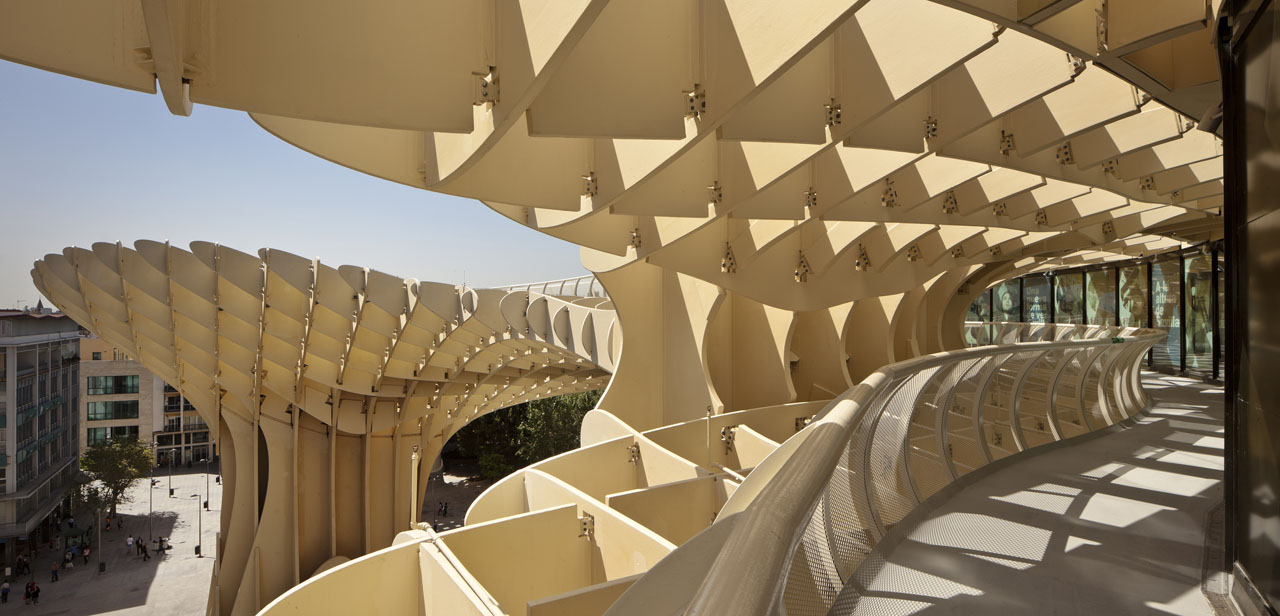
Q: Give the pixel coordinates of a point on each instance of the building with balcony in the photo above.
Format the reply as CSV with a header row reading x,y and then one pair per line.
x,y
39,395
122,399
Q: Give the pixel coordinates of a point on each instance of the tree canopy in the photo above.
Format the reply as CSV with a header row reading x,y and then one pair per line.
x,y
116,464
518,436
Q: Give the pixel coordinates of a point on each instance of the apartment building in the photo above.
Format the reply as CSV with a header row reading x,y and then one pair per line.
x,y
124,400
39,390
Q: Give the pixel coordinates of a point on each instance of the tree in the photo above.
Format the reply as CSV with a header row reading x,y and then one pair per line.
x,y
89,495
520,435
116,465
552,426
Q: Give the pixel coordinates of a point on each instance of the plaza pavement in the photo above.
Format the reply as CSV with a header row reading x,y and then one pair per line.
x,y
176,583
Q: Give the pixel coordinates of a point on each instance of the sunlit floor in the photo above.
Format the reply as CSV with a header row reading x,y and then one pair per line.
x,y
1108,526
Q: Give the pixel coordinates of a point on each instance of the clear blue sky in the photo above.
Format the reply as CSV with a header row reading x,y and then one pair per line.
x,y
82,162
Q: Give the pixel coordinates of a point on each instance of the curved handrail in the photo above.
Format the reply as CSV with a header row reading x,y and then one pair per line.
x,y
578,286
805,522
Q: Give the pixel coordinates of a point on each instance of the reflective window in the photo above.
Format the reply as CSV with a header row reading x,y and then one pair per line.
x,y
1166,285
1007,298
980,309
1198,282
100,385
1133,296
1035,299
1068,298
123,409
1100,296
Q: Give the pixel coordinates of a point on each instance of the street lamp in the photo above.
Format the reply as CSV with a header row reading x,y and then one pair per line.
x,y
199,527
170,459
151,489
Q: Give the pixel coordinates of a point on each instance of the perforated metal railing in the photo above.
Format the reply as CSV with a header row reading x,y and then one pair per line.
x,y
804,525
581,286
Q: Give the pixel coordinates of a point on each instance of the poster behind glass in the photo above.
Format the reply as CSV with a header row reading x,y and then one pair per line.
x,y
1199,321
1035,299
1100,297
1068,298
1166,283
979,312
1133,296
1008,302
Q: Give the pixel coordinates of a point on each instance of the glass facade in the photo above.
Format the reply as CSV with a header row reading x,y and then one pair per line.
x,y
1182,292
1068,298
980,309
1198,281
1166,313
1035,299
1007,301
1100,296
1133,295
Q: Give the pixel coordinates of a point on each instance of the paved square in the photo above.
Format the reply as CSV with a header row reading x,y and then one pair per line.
x,y
176,583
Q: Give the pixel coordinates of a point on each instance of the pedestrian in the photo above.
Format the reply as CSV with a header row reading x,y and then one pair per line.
x,y
35,594
26,594
67,559
129,542
137,542
145,555
4,592
71,521
86,554
120,523
53,568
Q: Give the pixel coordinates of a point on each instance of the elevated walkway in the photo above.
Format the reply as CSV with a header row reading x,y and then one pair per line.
x,y
1111,523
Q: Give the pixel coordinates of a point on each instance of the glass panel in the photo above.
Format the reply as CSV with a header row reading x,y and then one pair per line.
x,y
980,309
1199,329
1221,318
1008,302
1035,299
1068,293
1100,297
1165,286
1133,296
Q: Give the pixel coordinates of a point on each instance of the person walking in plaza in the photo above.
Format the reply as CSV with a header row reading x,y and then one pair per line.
x,y
85,552
145,555
26,594
35,594
53,568
120,523
129,542
4,592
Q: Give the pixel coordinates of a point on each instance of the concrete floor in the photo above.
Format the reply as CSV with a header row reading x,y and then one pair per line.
x,y
176,583
1104,527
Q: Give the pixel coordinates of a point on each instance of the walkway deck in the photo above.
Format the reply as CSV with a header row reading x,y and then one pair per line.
x,y
1111,525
